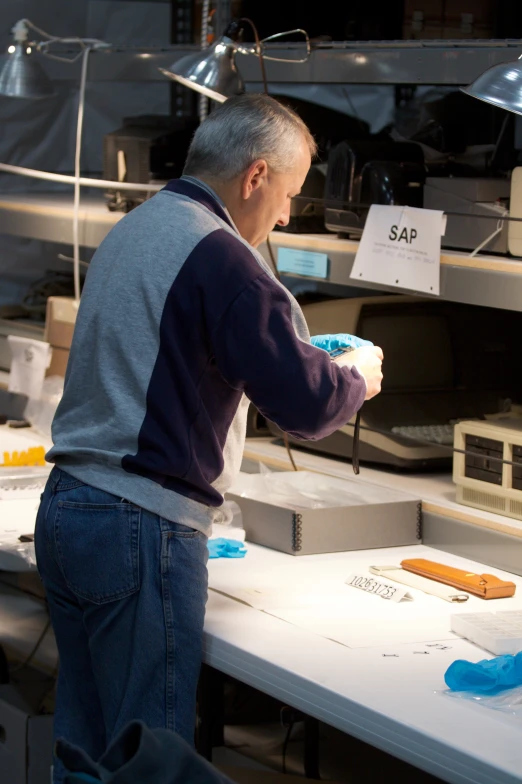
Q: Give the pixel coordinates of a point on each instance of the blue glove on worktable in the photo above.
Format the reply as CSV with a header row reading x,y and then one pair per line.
x,y
488,675
340,340
226,548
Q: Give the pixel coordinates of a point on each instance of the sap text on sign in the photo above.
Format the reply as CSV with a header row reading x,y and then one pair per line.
x,y
404,235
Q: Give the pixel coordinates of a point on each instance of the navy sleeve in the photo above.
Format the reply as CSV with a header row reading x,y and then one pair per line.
x,y
291,382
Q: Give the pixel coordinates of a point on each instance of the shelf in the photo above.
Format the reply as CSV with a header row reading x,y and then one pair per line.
x,y
483,280
342,62
48,217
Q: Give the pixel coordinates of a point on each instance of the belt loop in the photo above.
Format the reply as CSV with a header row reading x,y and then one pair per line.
x,y
54,478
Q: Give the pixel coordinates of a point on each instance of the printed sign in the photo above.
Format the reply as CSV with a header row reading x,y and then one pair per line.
x,y
400,247
385,590
302,262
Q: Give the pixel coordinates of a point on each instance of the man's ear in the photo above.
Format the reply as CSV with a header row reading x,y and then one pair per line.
x,y
253,178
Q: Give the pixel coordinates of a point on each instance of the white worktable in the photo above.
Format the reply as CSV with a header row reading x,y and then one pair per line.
x,y
18,516
393,701
388,693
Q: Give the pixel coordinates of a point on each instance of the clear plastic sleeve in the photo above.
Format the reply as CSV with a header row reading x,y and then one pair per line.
x,y
506,700
299,490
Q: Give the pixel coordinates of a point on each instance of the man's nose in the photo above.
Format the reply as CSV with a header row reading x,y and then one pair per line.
x,y
284,218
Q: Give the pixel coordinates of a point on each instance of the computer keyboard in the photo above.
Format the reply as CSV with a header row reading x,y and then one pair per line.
x,y
437,434
499,632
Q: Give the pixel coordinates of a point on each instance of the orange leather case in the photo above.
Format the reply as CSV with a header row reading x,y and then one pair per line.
x,y
486,586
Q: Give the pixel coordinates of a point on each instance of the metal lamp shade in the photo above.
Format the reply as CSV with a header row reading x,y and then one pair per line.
x,y
23,77
212,71
500,85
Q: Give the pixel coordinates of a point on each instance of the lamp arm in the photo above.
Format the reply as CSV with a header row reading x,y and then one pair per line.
x,y
21,33
90,43
289,32
23,24
254,50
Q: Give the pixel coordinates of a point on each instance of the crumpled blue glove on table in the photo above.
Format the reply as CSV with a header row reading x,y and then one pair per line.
x,y
485,676
340,340
226,548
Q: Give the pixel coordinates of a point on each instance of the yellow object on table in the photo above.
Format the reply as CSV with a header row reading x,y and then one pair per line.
x,y
34,456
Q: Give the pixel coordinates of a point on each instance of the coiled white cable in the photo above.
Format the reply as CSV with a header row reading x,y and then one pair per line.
x,y
88,182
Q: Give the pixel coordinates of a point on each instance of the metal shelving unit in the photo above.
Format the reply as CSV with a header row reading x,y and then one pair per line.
x,y
493,281
48,217
345,62
482,280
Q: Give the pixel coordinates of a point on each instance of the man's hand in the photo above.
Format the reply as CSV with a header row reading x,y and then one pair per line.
x,y
368,361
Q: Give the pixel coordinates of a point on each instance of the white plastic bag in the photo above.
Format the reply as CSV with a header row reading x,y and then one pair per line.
x,y
296,490
228,522
30,360
40,411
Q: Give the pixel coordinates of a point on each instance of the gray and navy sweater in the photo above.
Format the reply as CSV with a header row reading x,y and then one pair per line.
x,y
181,324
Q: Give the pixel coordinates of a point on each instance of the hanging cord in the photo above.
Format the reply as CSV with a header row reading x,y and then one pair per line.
x,y
268,243
357,426
355,453
258,51
355,443
32,654
285,746
77,160
278,276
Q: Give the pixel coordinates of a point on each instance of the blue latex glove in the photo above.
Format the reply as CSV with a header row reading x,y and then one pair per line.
x,y
341,340
486,676
226,548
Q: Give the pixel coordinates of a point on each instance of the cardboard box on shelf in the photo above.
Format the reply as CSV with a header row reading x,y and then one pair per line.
x,y
461,19
26,740
59,359
59,328
60,319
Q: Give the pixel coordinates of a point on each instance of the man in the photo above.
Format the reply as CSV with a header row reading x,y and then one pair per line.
x,y
181,323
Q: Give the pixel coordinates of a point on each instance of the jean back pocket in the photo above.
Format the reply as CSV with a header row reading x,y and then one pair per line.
x,y
98,549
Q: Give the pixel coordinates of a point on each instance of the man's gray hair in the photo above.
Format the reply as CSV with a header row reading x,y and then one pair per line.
x,y
242,130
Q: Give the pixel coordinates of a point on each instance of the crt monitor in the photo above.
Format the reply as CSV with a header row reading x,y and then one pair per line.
x,y
435,355
417,348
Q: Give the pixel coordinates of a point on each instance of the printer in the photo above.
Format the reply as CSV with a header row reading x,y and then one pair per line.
x,y
443,362
482,198
486,200
147,148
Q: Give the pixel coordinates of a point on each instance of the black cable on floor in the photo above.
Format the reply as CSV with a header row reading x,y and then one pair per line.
x,y
36,646
285,745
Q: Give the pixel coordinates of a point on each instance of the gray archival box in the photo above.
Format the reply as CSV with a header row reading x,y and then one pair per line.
x,y
372,518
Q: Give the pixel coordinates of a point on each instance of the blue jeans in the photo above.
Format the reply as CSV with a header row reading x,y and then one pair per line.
x,y
127,591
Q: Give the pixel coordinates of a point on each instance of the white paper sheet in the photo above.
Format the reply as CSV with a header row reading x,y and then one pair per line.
x,y
313,595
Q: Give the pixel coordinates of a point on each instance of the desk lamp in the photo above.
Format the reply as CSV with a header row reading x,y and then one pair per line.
x,y
500,85
23,77
213,71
